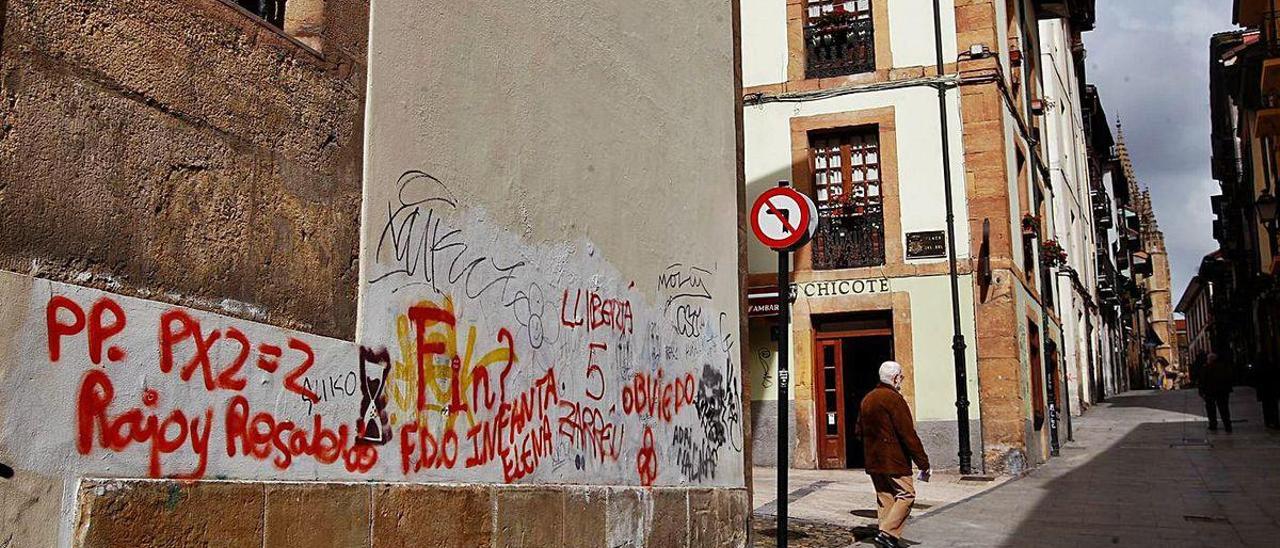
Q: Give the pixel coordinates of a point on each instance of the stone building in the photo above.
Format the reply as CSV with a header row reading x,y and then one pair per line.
x,y
1108,195
188,152
1244,90
1161,358
1197,305
846,99
1139,245
242,306
1068,149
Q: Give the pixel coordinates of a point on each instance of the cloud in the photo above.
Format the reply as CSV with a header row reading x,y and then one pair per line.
x,y
1151,67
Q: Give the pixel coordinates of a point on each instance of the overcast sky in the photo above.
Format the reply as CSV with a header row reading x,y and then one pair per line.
x,y
1151,66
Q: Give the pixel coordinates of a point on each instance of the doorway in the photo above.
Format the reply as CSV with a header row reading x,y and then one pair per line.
x,y
850,349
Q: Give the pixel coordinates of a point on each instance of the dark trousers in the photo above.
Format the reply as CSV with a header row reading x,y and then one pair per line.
x,y
1215,404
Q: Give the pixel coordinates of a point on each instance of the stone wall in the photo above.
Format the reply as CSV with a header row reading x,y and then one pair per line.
x,y
165,514
546,343
186,152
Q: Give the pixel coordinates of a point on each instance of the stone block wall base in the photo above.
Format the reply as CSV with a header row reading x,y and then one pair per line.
x,y
162,514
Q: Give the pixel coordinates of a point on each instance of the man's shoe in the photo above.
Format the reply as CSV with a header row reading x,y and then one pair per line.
x,y
884,540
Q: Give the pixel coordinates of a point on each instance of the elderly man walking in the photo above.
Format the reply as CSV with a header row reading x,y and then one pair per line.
x,y
890,443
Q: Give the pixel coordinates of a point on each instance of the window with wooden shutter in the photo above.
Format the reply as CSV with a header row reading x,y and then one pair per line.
x,y
847,188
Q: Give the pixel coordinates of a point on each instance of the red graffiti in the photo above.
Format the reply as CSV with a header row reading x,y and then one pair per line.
x,y
614,314
504,336
118,432
528,445
653,396
423,316
261,436
228,378
178,327
593,369
269,357
574,318
57,329
427,452
586,428
647,459
519,434
186,328
99,330
291,380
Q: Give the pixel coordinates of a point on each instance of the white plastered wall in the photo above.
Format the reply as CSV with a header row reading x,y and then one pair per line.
x,y
919,163
911,37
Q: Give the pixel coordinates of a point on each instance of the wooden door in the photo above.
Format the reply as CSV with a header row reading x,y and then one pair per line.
x,y
830,404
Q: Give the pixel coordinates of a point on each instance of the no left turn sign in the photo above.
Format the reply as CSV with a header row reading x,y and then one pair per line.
x,y
784,218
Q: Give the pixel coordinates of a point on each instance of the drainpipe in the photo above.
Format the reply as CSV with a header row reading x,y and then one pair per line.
x,y
957,338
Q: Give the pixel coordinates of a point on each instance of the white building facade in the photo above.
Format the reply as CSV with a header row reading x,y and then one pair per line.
x,y
1067,154
842,100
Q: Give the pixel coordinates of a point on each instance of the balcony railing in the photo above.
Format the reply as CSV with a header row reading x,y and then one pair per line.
x,y
272,11
848,240
1101,208
838,44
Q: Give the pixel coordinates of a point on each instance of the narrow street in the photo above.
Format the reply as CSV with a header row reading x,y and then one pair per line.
x,y
1143,471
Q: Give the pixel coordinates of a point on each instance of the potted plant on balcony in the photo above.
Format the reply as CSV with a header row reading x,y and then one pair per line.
x,y
848,206
1030,225
1052,254
831,21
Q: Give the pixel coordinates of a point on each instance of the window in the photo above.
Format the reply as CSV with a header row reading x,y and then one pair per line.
x,y
270,10
839,38
846,182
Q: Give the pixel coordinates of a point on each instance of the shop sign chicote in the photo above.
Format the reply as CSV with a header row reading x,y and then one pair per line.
x,y
765,302
839,288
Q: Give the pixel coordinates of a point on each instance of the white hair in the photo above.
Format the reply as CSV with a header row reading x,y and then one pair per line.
x,y
889,370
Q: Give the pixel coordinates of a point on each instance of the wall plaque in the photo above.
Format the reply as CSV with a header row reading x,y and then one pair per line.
x,y
926,245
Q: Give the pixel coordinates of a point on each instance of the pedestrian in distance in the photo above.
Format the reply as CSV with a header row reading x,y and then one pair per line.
x,y
1215,388
890,446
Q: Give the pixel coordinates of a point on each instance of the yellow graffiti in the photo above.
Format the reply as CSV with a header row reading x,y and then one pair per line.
x,y
452,384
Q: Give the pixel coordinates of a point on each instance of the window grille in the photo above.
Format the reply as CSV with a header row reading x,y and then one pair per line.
x,y
847,187
839,38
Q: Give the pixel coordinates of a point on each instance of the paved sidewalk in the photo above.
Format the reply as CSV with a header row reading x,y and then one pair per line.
x,y
1143,471
846,498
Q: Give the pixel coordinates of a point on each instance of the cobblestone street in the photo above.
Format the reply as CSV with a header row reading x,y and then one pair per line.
x,y
1143,471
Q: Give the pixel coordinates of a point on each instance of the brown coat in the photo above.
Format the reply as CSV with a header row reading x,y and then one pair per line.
x,y
888,434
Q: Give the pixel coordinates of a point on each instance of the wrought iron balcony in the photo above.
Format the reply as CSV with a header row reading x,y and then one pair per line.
x,y
1101,208
839,43
271,11
848,240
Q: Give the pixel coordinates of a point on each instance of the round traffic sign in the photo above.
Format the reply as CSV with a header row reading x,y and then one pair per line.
x,y
784,218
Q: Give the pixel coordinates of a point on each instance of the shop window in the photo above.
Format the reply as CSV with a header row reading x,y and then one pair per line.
x,y
839,38
848,191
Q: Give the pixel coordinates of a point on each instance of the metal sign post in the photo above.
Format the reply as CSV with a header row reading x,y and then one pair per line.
x,y
784,384
784,219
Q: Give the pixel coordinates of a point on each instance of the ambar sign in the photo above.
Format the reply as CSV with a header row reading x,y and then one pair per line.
x,y
837,288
